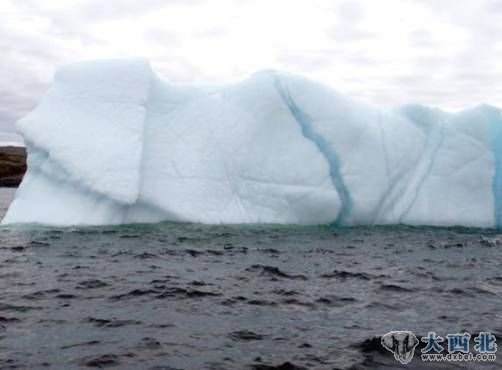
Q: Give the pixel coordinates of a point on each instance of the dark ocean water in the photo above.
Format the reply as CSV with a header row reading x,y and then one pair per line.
x,y
180,296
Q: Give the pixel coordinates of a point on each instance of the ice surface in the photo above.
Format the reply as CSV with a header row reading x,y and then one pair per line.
x,y
112,143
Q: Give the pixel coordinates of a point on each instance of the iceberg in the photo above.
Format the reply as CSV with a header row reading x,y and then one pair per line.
x,y
112,143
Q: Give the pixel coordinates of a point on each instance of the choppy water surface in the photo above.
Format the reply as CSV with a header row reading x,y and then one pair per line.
x,y
173,296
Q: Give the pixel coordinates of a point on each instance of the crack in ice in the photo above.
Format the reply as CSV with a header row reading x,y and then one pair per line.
x,y
496,142
324,148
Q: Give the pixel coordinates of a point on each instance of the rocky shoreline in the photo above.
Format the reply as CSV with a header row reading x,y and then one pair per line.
x,y
12,165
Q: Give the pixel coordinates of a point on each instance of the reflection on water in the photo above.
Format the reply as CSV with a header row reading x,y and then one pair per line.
x,y
179,296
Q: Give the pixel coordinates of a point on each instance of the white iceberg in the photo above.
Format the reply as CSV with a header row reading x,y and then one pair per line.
x,y
112,143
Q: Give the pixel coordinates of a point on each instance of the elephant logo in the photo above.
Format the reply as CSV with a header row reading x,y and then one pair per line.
x,y
402,344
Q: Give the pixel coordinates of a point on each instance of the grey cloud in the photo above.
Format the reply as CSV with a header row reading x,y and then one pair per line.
x,y
470,76
446,90
15,103
347,32
178,69
213,32
307,62
360,59
162,37
25,70
28,60
351,11
71,22
98,10
481,18
347,28
494,6
420,38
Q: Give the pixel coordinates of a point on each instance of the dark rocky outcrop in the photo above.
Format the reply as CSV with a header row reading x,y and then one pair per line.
x,y
12,165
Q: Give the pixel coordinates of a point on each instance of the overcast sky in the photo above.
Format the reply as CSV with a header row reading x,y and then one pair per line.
x,y
446,53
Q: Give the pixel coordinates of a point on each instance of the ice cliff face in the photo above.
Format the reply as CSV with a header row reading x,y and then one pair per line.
x,y
112,143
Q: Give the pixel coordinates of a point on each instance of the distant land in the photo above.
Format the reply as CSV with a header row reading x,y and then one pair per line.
x,y
12,165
